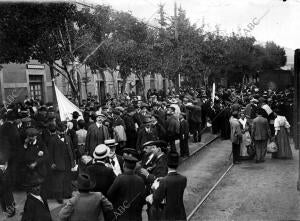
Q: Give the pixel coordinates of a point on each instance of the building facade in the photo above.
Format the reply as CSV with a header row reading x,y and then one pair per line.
x,y
20,80
33,79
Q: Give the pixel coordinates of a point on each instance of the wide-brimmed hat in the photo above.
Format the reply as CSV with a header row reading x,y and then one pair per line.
x,y
101,152
173,159
110,142
84,182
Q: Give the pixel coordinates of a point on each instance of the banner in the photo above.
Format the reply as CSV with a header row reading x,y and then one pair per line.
x,y
65,106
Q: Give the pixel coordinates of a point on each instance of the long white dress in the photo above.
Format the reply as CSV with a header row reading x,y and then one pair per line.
x,y
246,138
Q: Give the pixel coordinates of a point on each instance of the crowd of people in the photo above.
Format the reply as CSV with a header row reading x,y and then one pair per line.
x,y
122,155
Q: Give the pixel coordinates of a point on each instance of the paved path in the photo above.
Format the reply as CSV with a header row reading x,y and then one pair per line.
x,y
250,191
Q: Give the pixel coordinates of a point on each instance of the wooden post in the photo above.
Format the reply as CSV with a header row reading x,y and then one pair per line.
x,y
297,107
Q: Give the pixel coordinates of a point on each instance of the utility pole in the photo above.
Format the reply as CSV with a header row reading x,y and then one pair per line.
x,y
297,107
176,35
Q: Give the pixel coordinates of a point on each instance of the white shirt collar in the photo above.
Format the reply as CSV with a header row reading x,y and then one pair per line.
x,y
37,197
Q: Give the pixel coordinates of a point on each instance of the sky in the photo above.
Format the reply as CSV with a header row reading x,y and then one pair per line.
x,y
272,20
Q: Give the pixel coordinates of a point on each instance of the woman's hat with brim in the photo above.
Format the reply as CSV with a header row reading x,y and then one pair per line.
x,y
101,152
84,182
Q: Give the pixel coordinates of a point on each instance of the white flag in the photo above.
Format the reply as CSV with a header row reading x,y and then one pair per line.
x,y
213,93
65,106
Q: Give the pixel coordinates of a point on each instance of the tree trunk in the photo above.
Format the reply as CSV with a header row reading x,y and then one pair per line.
x,y
124,80
86,81
52,82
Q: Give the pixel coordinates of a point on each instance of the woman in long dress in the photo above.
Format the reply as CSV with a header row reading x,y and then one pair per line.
x,y
246,138
282,129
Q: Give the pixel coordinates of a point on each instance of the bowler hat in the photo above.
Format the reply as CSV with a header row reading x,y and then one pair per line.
x,y
173,159
84,182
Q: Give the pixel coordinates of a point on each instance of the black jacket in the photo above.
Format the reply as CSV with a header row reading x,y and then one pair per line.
x,y
171,188
127,195
35,210
102,175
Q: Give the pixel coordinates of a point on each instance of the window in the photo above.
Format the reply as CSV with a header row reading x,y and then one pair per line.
x,y
36,86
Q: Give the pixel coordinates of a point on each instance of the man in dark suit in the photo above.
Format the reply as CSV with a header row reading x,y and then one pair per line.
x,y
36,206
260,134
146,133
184,136
158,165
130,129
171,188
35,155
195,119
74,120
236,137
6,195
172,127
96,133
99,172
61,160
127,193
11,134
